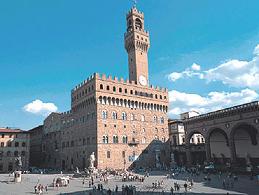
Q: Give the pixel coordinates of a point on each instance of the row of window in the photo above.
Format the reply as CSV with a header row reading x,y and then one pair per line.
x,y
114,89
82,93
132,92
16,144
9,153
9,135
124,140
114,116
131,104
83,119
73,143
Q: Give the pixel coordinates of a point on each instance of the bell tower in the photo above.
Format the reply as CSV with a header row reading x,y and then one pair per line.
x,y
136,41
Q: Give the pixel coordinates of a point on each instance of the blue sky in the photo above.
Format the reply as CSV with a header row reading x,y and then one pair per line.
x,y
204,51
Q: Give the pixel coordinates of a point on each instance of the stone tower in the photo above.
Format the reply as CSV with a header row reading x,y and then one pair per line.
x,y
137,44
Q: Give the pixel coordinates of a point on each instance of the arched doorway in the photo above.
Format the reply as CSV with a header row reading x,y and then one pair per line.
x,y
196,154
219,146
245,139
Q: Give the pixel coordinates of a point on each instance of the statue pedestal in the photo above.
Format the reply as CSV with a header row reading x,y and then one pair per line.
x,y
17,176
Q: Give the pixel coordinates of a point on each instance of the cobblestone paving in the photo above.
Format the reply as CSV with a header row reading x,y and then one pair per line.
x,y
243,186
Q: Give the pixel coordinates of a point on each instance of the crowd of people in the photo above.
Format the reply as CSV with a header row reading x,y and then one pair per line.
x,y
97,183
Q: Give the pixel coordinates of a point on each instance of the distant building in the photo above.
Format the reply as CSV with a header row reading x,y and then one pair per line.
x,y
36,155
189,114
177,137
124,122
13,143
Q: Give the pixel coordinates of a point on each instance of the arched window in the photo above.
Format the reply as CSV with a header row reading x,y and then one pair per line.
x,y
114,89
8,153
101,86
108,154
107,87
129,25
162,120
138,24
104,114
124,116
23,153
114,115
105,139
115,139
142,118
120,89
124,139
155,119
16,153
132,117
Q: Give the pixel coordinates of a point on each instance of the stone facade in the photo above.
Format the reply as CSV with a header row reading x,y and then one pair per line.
x,y
36,157
124,122
13,143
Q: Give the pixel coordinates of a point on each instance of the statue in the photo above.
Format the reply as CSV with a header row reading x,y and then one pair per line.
x,y
91,160
18,163
77,170
18,168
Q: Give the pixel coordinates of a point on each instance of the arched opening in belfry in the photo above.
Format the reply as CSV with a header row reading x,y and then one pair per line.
x,y
219,146
138,24
197,148
245,139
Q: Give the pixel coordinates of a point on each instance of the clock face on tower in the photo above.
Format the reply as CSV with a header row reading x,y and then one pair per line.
x,y
142,80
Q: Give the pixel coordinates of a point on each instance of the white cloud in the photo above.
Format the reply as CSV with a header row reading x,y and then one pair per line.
x,y
40,108
235,73
175,76
180,102
194,71
196,67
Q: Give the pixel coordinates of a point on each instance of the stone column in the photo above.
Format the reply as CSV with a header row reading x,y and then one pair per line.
x,y
232,150
208,151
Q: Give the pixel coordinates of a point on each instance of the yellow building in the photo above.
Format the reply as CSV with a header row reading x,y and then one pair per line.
x,y
13,143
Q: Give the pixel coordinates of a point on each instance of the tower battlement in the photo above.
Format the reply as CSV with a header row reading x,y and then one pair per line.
x,y
116,80
135,11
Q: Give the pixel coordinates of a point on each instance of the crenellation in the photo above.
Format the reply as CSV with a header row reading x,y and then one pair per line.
x,y
103,77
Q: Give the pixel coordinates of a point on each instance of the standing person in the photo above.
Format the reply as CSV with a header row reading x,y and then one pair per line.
x,y
116,189
172,191
185,187
35,189
46,188
41,187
